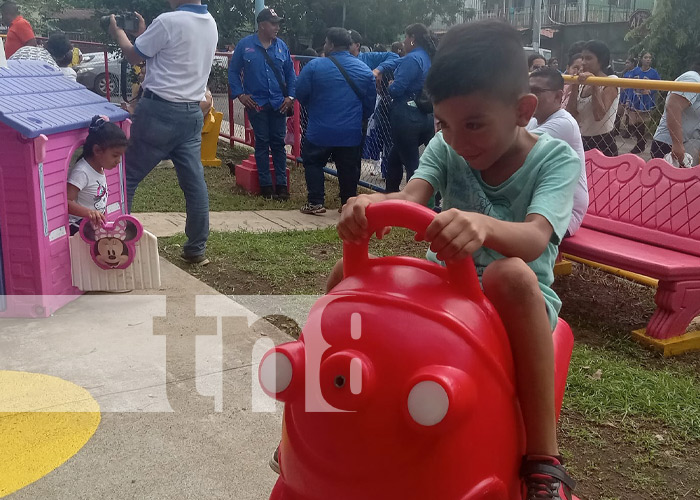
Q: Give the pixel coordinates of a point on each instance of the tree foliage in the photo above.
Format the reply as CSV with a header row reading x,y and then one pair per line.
x,y
377,21
671,34
306,20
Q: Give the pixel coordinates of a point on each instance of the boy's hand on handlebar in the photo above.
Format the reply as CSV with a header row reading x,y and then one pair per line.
x,y
455,234
353,223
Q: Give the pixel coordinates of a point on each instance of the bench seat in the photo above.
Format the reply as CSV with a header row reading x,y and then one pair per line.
x,y
642,258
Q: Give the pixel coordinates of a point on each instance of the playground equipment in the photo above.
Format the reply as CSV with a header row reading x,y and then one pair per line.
x,y
210,138
402,383
44,119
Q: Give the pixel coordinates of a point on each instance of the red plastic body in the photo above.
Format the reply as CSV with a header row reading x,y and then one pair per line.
x,y
393,323
247,175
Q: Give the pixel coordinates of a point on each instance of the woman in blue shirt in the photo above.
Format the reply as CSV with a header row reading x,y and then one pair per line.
x,y
642,102
411,127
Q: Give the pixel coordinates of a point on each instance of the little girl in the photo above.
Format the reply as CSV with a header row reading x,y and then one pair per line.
x,y
87,184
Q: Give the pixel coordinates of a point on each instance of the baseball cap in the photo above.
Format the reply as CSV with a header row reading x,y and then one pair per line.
x,y
270,15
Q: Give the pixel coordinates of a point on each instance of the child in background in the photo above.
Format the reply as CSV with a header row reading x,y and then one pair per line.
x,y
87,184
507,201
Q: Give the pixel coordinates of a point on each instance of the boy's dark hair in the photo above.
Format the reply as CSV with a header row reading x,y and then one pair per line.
x,y
60,49
308,51
573,57
554,79
483,56
379,48
424,37
355,37
601,52
534,57
104,134
396,46
339,37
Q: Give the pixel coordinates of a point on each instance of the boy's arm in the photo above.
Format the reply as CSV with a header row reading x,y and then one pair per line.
x,y
455,234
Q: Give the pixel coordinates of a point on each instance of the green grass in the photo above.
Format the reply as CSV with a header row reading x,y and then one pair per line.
x,y
160,192
291,262
628,390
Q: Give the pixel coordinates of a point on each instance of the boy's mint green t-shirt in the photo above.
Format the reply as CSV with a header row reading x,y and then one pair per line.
x,y
544,185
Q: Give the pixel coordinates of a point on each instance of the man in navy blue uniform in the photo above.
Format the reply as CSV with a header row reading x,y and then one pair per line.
x,y
337,105
261,75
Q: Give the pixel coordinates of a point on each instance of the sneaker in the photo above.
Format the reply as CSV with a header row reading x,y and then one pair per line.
x,y
267,192
199,260
282,193
545,478
312,209
274,461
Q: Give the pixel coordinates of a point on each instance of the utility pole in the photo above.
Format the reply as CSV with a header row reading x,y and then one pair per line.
x,y
536,25
259,5
343,24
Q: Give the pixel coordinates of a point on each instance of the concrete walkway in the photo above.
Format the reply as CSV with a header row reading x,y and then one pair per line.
x,y
163,224
174,373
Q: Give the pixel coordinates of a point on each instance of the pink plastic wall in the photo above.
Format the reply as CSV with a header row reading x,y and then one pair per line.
x,y
36,256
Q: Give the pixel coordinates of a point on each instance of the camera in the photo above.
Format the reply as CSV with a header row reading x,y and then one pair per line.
x,y
127,21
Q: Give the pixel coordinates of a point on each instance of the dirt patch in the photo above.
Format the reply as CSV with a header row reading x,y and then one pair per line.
x,y
620,460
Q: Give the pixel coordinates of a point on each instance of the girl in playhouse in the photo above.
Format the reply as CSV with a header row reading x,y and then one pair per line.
x,y
87,184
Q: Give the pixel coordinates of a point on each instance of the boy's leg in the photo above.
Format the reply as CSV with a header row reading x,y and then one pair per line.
x,y
513,289
149,143
186,157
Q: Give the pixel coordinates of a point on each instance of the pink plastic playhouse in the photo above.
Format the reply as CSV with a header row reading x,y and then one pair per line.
x,y
43,120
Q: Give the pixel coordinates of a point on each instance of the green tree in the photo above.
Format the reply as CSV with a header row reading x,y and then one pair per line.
x,y
671,34
377,21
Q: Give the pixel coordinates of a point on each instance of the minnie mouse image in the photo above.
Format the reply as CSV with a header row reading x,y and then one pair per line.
x,y
113,244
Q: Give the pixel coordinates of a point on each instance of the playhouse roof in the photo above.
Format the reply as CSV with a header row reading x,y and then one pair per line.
x,y
36,98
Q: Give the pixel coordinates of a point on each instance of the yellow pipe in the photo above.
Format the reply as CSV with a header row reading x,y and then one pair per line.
x,y
639,278
633,83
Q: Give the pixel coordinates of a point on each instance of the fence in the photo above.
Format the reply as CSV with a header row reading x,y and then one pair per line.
x,y
630,126
377,143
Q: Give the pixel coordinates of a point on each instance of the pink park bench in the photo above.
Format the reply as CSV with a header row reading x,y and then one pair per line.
x,y
645,218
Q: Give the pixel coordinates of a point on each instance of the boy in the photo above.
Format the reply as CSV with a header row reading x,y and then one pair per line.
x,y
507,198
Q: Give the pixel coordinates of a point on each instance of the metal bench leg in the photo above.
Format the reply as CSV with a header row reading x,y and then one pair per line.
x,y
677,304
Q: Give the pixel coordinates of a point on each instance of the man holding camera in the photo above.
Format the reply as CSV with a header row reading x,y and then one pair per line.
x,y
261,75
178,48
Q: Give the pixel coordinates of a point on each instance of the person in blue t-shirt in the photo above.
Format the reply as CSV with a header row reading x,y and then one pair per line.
x,y
641,102
337,110
410,126
268,95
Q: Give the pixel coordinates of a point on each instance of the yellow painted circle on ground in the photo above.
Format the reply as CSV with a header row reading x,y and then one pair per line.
x,y
44,421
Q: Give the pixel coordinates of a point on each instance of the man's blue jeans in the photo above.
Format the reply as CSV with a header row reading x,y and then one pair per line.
x,y
172,130
270,127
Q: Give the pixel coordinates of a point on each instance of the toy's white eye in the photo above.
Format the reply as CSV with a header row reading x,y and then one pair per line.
x,y
428,403
275,373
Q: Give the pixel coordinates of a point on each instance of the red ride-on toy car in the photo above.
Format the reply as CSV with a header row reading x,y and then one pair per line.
x,y
401,385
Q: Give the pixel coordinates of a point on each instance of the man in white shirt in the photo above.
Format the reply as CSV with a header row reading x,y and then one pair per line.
x,y
178,48
548,85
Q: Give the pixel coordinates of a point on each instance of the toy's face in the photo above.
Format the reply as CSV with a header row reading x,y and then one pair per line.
x,y
111,252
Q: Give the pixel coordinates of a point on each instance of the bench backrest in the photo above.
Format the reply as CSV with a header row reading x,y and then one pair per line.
x,y
650,202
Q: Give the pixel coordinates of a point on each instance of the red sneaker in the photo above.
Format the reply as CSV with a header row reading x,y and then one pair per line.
x,y
545,478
